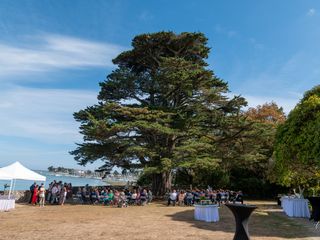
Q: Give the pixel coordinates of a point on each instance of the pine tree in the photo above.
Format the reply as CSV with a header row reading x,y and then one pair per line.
x,y
161,109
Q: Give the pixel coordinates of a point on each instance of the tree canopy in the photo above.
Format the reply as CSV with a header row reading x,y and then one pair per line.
x,y
162,109
297,147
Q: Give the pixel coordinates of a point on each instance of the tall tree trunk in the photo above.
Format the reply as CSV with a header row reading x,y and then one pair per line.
x,y
161,182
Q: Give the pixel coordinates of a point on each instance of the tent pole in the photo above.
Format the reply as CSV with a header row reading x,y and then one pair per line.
x,y
14,185
10,188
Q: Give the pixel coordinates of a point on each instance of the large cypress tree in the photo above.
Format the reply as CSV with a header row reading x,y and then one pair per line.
x,y
161,109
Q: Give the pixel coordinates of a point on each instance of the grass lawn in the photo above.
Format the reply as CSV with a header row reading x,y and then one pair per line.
x,y
155,221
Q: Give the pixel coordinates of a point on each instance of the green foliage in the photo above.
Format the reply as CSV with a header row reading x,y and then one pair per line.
x,y
297,148
145,179
162,109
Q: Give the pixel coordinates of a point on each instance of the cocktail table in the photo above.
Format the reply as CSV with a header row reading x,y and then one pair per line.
x,y
241,214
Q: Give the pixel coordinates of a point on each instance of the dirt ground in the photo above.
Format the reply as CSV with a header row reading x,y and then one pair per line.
x,y
155,221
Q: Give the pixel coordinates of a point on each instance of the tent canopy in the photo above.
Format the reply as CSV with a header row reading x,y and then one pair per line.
x,y
4,175
20,172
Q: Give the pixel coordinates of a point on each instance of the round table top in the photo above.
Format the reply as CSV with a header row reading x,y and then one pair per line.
x,y
237,205
206,205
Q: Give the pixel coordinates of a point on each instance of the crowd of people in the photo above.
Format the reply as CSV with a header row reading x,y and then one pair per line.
x,y
190,197
113,197
58,193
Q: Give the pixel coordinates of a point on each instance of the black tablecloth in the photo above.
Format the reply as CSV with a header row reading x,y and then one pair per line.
x,y
241,213
315,203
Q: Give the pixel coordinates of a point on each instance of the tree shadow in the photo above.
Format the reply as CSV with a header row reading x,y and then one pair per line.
x,y
266,221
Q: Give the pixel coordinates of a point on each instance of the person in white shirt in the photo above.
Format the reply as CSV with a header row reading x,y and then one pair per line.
x,y
172,198
42,195
54,192
133,198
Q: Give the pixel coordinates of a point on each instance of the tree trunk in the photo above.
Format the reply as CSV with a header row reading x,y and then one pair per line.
x,y
301,190
161,183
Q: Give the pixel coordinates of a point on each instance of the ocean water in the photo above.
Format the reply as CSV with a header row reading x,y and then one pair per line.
x,y
75,181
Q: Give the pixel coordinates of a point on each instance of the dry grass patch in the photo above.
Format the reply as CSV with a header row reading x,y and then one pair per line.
x,y
155,221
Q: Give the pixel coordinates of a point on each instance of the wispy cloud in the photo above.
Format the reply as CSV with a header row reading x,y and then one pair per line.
x,y
145,16
49,52
223,30
256,44
44,115
311,12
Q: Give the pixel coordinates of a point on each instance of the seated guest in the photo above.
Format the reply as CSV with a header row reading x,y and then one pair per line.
x,y
172,198
239,197
105,198
214,197
232,196
218,198
138,197
189,198
181,198
143,197
84,195
93,196
122,200
116,197
79,195
133,199
196,196
110,196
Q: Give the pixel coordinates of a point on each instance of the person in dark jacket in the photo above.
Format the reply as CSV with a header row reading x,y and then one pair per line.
x,y
32,190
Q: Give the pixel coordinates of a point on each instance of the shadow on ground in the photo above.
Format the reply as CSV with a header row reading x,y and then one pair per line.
x,y
264,222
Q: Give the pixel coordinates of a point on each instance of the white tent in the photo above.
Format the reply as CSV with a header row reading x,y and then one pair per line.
x,y
20,172
17,171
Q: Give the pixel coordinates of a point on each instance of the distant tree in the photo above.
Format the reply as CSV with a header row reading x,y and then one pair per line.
x,y
161,109
248,150
51,169
268,113
258,142
297,147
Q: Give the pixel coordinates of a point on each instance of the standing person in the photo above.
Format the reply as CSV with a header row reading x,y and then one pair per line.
x,y
42,195
31,191
35,195
69,189
149,196
49,192
54,192
63,195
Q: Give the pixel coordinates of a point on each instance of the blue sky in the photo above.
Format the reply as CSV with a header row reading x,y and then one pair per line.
x,y
54,53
